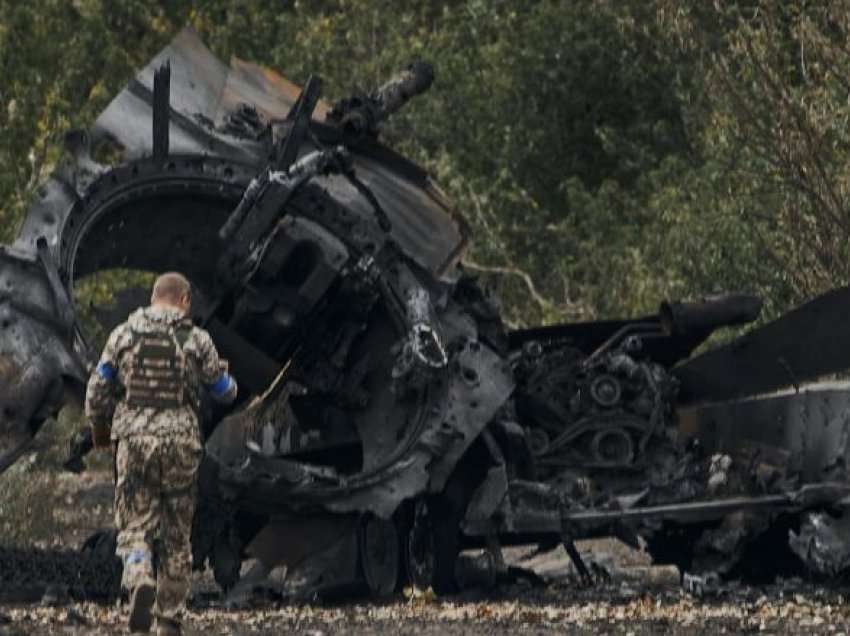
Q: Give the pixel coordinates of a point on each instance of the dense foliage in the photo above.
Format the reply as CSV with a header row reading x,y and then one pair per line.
x,y
607,153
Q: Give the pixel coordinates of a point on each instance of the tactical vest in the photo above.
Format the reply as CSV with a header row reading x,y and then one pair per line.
x,y
159,373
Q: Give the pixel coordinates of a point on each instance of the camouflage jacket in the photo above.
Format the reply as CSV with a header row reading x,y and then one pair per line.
x,y
105,403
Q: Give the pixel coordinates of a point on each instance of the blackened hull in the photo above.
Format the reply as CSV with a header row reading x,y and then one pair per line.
x,y
204,91
92,217
442,424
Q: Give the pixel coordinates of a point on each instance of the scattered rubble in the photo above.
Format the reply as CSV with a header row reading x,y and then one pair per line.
x,y
54,576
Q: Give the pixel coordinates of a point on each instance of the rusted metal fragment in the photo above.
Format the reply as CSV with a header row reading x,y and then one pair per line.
x,y
266,90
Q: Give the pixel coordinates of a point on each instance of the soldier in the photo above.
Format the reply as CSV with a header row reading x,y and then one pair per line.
x,y
144,397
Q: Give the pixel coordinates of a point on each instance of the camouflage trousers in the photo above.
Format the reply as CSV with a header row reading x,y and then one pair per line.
x,y
154,505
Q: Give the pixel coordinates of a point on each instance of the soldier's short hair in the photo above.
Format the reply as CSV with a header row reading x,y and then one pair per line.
x,y
171,287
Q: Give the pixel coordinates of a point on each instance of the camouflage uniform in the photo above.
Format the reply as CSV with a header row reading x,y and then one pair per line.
x,y
158,451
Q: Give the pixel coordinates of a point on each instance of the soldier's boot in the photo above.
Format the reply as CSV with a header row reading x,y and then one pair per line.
x,y
167,627
141,603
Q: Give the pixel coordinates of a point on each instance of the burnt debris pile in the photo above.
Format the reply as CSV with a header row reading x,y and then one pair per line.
x,y
56,575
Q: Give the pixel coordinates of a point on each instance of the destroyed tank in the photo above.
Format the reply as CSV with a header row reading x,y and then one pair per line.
x,y
388,420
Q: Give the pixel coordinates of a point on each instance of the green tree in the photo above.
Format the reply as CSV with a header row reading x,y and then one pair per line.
x,y
607,153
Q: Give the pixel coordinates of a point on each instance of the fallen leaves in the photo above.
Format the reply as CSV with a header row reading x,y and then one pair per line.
x,y
420,613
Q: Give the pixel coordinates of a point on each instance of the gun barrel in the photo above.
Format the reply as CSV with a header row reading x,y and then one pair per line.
x,y
710,313
238,215
361,114
412,81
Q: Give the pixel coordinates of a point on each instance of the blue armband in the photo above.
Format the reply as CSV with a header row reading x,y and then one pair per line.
x,y
221,385
137,556
106,371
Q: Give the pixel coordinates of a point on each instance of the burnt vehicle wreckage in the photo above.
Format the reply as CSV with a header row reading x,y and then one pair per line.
x,y
388,419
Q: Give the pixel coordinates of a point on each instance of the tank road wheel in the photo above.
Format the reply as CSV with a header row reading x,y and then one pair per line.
x,y
379,554
431,546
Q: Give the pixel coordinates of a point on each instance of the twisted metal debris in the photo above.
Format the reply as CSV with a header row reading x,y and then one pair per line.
x,y
391,420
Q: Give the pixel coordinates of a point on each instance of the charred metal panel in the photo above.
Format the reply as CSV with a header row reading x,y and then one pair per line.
x,y
806,431
453,414
46,215
204,91
36,353
479,384
148,216
421,223
405,479
197,79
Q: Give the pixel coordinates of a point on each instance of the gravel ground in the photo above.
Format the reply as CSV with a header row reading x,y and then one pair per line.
x,y
641,600
775,610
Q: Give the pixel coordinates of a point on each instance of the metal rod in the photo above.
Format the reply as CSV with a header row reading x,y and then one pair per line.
x,y
718,506
161,110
